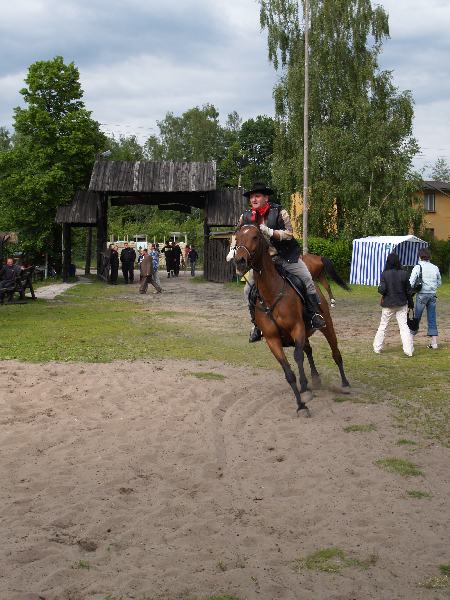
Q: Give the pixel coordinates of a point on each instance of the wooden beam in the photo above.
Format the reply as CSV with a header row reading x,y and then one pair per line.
x,y
67,251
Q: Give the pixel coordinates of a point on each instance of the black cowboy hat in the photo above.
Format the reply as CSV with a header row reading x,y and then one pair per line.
x,y
258,188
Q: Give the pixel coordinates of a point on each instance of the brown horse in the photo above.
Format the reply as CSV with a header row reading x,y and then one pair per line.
x,y
320,267
279,313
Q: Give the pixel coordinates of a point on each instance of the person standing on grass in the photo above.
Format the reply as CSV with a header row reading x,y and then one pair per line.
x,y
426,297
128,258
396,297
192,258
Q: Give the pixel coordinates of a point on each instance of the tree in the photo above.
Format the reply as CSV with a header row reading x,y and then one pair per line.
x,y
440,171
55,144
361,144
5,139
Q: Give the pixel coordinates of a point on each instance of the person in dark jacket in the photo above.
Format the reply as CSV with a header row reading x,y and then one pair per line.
x,y
396,297
114,264
168,255
192,259
176,257
128,258
8,275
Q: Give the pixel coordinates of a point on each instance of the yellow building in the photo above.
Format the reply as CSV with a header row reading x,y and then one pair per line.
x,y
435,196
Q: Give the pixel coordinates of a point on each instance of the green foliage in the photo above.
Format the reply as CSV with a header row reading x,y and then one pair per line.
x,y
54,147
337,250
361,144
440,254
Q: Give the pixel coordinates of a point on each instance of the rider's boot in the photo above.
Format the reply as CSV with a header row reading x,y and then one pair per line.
x,y
255,333
312,308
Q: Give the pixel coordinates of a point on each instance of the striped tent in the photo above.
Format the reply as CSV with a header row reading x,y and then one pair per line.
x,y
369,255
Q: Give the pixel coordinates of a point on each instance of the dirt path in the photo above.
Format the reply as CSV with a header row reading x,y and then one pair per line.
x,y
143,480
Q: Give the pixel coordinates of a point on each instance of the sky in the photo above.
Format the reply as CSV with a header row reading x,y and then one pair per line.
x,y
139,59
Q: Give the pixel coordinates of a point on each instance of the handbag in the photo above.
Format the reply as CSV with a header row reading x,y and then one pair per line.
x,y
419,282
412,321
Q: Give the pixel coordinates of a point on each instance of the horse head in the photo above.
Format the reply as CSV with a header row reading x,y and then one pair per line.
x,y
250,245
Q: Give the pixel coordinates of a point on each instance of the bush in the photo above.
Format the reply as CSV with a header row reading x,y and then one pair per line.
x,y
339,251
440,254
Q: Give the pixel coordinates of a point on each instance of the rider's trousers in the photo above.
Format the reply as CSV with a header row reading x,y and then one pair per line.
x,y
299,268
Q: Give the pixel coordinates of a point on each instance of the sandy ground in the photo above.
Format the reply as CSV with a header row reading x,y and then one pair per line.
x,y
139,480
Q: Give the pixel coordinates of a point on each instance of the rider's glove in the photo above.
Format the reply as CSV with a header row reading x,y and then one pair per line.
x,y
266,230
231,254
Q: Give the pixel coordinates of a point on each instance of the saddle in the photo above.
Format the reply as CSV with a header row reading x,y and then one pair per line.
x,y
297,285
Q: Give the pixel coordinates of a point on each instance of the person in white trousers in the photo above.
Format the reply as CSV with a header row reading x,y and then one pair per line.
x,y
396,293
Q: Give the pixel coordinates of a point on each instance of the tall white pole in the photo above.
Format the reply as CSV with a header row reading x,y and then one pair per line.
x,y
306,131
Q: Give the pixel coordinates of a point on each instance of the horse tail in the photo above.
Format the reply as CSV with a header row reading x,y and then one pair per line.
x,y
331,272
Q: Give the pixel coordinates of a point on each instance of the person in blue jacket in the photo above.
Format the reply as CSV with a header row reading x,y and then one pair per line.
x,y
426,297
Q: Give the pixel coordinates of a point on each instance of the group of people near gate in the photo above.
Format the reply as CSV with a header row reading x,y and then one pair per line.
x,y
396,287
148,263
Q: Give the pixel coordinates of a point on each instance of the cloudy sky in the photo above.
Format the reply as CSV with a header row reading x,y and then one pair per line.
x,y
139,59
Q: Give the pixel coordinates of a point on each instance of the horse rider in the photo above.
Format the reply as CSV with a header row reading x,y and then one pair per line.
x,y
274,223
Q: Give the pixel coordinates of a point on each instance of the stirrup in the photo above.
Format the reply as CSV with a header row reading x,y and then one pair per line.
x,y
317,321
255,335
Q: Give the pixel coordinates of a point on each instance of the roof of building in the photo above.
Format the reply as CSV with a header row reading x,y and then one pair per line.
x,y
436,185
82,210
125,177
390,239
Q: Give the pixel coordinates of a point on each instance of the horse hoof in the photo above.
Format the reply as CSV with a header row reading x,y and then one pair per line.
x,y
333,303
345,389
307,396
304,412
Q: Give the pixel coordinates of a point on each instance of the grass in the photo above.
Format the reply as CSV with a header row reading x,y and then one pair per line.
x,y
208,376
399,466
332,560
436,583
418,494
404,442
81,564
362,428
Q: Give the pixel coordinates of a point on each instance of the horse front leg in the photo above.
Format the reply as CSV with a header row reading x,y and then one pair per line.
x,y
276,348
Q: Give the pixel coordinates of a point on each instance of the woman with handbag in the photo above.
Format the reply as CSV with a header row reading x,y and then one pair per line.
x,y
425,280
396,297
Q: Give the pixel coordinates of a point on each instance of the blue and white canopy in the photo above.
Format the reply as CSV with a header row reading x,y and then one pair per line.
x,y
369,255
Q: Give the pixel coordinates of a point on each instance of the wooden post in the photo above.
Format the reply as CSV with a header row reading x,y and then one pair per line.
x,y
102,230
206,265
306,133
67,250
87,265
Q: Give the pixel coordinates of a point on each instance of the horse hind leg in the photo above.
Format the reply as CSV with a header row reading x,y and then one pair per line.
x,y
276,348
330,335
312,365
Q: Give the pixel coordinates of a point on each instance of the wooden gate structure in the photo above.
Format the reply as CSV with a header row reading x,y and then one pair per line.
x,y
169,186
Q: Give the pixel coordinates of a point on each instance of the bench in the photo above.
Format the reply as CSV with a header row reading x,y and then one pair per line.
x,y
23,281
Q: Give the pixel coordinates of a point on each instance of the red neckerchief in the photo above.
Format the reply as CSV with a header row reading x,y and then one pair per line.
x,y
261,212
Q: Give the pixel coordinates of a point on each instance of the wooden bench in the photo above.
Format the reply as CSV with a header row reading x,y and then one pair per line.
x,y
23,281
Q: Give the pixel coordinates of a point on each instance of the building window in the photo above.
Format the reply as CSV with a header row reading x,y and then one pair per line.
x,y
428,202
429,232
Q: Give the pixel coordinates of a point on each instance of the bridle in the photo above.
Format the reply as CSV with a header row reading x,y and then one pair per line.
x,y
251,255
